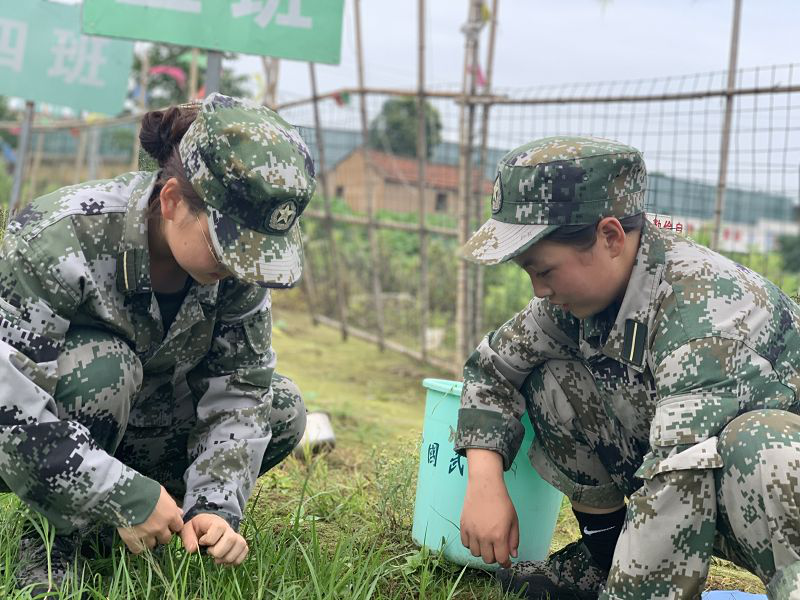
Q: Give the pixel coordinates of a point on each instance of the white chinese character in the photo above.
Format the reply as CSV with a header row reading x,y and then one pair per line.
x,y
12,43
189,6
78,58
265,12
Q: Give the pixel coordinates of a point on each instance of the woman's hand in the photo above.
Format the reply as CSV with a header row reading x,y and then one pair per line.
x,y
165,520
224,544
489,525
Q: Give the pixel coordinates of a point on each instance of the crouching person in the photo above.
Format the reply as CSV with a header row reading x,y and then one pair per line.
x,y
661,380
137,384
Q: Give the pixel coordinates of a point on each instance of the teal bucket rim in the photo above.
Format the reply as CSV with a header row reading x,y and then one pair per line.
x,y
445,386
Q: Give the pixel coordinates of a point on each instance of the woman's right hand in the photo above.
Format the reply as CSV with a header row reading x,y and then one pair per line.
x,y
165,520
489,524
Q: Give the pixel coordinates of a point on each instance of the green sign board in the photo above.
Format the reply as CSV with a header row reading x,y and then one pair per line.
x,y
44,57
309,30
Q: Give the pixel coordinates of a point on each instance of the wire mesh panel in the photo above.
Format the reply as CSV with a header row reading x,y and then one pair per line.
x,y
677,122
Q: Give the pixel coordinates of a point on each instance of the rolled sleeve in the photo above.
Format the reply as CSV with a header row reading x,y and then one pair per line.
x,y
491,401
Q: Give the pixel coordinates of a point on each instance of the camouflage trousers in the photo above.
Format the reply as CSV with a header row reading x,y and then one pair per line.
x,y
582,449
99,380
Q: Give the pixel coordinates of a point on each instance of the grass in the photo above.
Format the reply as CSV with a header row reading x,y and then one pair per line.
x,y
333,527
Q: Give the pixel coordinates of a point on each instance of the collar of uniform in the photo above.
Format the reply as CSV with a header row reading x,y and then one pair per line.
x,y
133,260
627,340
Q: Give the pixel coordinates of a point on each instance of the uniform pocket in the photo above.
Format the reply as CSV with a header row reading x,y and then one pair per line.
x,y
258,331
691,418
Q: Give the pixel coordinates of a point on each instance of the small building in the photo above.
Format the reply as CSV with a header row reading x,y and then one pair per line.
x,y
394,182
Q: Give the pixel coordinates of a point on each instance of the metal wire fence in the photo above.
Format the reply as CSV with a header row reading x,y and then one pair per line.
x,y
677,122
374,288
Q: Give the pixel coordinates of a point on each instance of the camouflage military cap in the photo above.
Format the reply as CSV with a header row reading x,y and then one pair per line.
x,y
256,175
552,182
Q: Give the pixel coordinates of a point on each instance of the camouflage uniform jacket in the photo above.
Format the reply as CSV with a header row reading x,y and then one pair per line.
x,y
696,341
78,257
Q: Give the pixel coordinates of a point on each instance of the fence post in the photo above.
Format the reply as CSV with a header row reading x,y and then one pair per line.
x,y
213,72
726,126
22,156
80,154
94,152
477,303
371,229
341,303
422,155
467,124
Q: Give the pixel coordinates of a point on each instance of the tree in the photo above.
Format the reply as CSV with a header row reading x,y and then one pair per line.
x,y
164,90
394,130
789,247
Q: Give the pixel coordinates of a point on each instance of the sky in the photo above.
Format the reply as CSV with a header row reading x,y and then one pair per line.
x,y
541,42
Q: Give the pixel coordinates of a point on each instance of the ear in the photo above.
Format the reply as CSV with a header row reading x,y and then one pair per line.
x,y
170,197
612,236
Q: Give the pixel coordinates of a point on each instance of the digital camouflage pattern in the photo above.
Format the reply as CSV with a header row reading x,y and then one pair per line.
x,y
88,376
643,403
256,175
557,181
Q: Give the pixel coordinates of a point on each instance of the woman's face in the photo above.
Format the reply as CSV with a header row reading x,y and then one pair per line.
x,y
583,282
189,241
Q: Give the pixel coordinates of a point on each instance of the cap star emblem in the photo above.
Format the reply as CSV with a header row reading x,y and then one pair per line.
x,y
283,216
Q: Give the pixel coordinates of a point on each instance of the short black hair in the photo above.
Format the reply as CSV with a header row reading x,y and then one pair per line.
x,y
584,237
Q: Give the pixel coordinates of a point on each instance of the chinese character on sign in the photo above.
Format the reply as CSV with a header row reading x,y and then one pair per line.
x,y
78,58
433,453
188,6
265,10
455,463
12,43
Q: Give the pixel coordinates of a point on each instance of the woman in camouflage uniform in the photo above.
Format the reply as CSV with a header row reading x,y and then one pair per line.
x,y
662,383
137,384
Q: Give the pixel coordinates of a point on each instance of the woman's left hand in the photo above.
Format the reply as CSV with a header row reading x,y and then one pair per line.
x,y
225,545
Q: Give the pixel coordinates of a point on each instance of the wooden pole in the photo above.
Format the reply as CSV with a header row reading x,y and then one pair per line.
x,y
93,162
467,123
477,303
80,155
144,75
322,176
726,126
193,75
22,157
213,72
371,230
422,155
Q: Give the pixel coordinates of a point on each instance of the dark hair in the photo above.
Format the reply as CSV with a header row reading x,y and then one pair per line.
x,y
584,237
160,135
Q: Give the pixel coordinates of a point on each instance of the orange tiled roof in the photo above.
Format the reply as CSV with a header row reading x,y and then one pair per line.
x,y
402,169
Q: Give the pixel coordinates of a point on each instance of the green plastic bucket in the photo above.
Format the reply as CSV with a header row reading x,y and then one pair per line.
x,y
442,483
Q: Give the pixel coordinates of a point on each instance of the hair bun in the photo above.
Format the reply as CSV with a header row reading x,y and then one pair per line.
x,y
162,131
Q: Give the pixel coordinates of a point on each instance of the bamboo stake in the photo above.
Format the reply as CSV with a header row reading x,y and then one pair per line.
x,y
726,127
371,230
477,303
467,124
422,155
80,155
341,303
